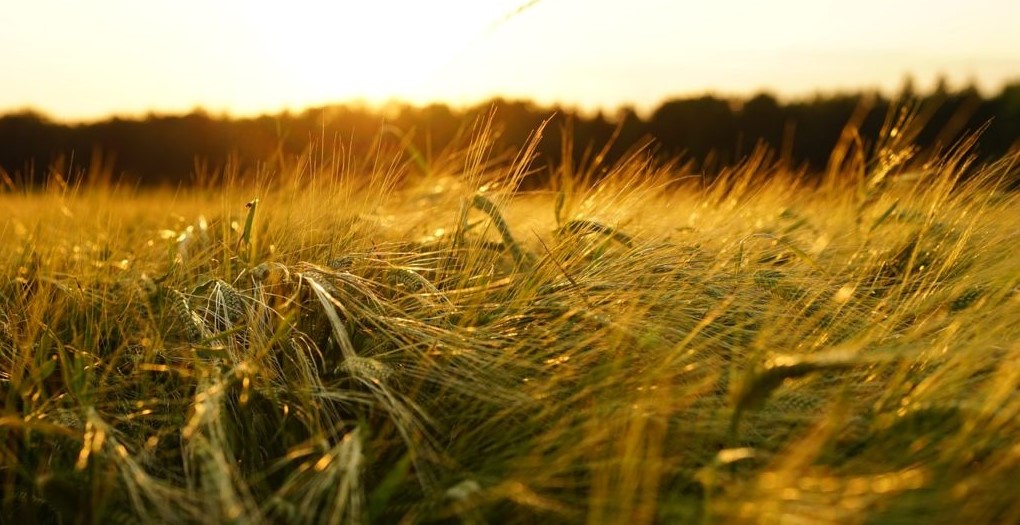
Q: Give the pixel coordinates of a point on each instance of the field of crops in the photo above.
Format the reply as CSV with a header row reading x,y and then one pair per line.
x,y
402,340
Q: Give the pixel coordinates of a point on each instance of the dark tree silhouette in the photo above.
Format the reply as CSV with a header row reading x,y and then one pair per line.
x,y
700,127
709,131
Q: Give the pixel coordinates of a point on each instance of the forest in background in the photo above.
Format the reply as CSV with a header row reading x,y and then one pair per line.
x,y
709,131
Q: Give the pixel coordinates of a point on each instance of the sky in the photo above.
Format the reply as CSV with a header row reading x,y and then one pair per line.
x,y
79,60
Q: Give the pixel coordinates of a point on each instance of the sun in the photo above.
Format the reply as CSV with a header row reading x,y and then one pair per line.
x,y
370,50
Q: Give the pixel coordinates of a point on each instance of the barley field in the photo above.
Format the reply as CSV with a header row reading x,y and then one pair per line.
x,y
396,339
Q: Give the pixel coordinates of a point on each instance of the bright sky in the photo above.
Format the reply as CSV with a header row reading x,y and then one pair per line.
x,y
90,58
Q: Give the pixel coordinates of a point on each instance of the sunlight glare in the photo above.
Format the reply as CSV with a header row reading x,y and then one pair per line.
x,y
368,50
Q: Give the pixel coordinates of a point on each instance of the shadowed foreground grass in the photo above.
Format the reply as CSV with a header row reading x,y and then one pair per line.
x,y
422,347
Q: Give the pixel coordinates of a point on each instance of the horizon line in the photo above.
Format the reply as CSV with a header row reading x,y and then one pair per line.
x,y
642,109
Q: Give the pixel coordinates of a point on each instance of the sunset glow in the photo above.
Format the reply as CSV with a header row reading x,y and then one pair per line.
x,y
90,59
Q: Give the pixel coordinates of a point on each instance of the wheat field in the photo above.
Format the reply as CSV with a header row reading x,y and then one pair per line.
x,y
405,340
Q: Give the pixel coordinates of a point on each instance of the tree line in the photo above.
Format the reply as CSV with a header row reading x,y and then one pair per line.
x,y
709,131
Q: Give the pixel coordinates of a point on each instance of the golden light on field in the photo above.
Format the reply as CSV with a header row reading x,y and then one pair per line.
x,y
92,58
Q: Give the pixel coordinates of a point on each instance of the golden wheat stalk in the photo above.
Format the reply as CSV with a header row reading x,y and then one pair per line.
x,y
188,321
